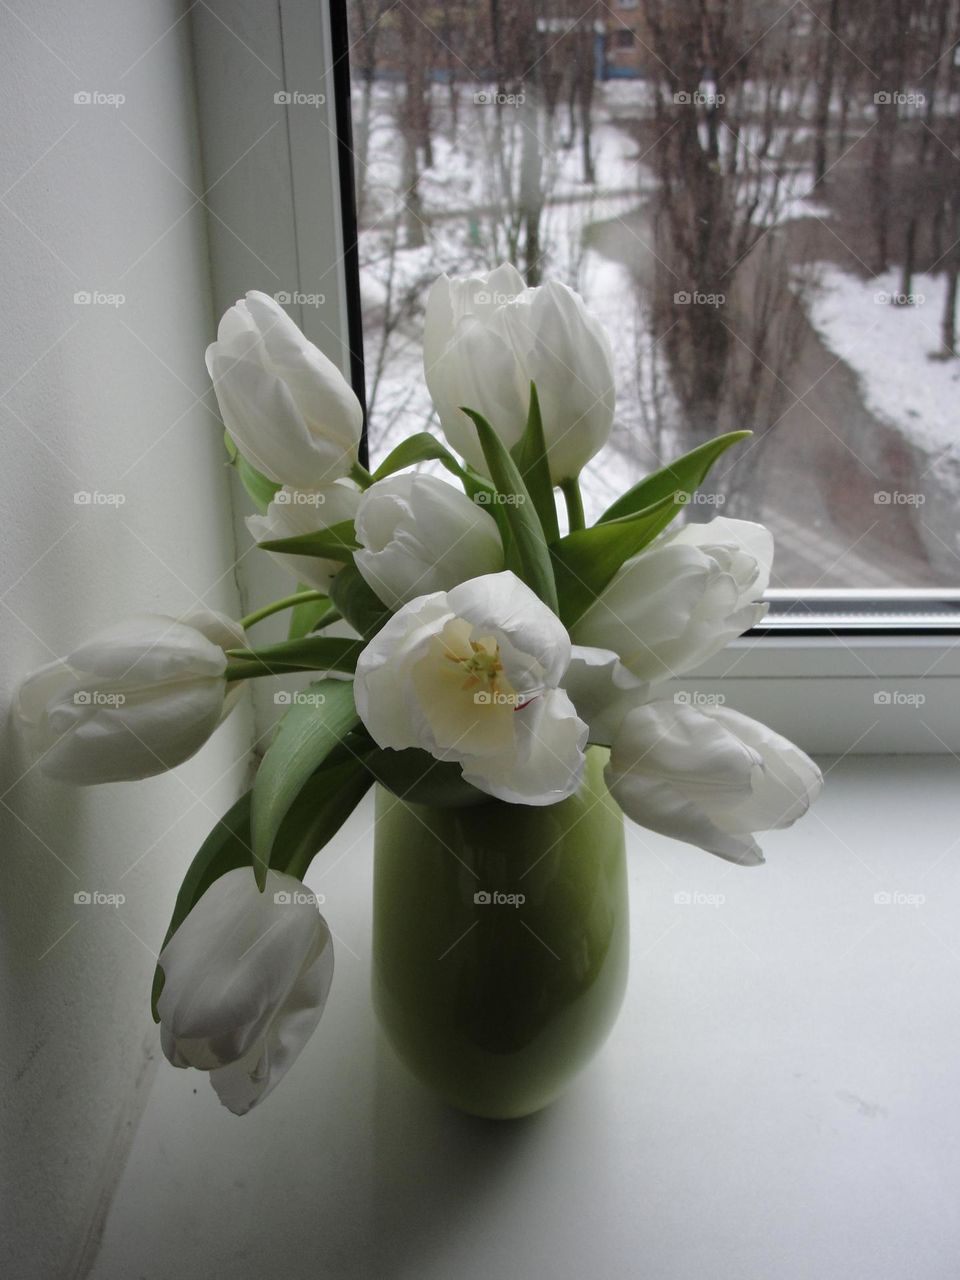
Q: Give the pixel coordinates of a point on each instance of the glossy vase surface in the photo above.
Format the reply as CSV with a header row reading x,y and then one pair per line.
x,y
500,942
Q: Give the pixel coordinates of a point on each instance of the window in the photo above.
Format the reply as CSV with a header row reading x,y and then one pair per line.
x,y
862,609
761,201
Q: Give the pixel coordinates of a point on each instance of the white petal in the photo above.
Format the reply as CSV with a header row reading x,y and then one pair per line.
x,y
678,771
244,1084
603,690
502,605
297,511
381,685
548,761
267,427
245,979
752,540
324,398
788,785
420,535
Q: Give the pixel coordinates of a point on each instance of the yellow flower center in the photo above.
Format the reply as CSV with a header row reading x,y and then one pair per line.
x,y
483,667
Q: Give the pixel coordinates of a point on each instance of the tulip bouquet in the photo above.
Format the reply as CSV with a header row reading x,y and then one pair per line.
x,y
467,649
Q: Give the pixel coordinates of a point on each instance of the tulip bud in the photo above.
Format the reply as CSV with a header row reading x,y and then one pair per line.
x,y
289,409
297,511
246,977
139,698
421,535
709,776
487,337
683,599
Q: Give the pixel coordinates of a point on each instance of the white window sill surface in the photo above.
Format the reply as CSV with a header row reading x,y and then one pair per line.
x,y
778,1099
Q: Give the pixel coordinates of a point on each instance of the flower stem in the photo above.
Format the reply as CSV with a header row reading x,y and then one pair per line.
x,y
362,476
571,496
288,602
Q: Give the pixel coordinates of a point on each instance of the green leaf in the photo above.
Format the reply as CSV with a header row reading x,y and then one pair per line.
x,y
317,814
310,653
530,455
422,447
526,530
585,561
415,775
685,475
319,811
335,542
305,737
358,602
305,618
260,489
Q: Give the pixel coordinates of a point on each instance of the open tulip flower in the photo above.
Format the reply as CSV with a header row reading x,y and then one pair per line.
x,y
482,648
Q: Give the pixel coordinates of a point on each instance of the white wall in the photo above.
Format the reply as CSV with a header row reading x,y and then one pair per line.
x,y
96,398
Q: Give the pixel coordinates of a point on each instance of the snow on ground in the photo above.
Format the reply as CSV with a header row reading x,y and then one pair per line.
x,y
890,348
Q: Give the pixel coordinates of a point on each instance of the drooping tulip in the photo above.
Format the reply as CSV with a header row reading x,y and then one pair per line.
x,y
138,698
246,978
709,776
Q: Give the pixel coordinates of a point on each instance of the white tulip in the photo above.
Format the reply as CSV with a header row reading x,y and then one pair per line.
x,y
419,535
246,977
487,337
138,698
289,409
682,599
709,776
297,511
472,675
602,690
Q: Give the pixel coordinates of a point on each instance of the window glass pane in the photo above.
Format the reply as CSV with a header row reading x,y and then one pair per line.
x,y
760,200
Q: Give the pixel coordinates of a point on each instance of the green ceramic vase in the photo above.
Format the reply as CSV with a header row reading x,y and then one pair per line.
x,y
500,942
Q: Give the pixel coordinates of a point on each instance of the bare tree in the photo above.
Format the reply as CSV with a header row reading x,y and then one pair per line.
x,y
727,118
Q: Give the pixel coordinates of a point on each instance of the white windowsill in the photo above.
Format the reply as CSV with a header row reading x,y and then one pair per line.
x,y
778,1098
